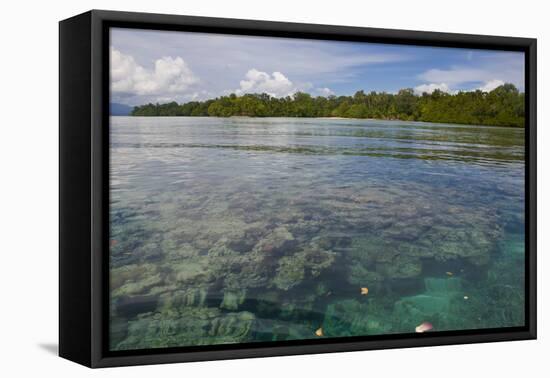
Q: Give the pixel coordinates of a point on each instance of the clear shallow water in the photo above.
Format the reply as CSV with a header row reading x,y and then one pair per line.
x,y
257,229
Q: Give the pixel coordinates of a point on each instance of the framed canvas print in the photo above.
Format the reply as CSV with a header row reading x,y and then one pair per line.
x,y
234,188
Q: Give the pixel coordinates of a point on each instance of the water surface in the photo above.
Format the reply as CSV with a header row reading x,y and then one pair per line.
x,y
258,229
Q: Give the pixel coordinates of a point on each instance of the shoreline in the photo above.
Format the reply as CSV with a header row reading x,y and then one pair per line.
x,y
332,118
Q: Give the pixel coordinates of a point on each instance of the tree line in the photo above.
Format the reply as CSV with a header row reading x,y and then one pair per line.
x,y
503,106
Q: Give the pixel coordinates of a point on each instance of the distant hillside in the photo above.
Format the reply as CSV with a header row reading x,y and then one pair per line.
x,y
120,109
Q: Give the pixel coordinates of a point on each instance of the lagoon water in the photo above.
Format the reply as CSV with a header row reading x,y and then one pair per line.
x,y
236,230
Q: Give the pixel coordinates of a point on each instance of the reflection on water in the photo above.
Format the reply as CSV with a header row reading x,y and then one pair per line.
x,y
245,229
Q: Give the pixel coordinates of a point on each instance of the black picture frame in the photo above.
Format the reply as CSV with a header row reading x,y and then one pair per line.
x,y
83,182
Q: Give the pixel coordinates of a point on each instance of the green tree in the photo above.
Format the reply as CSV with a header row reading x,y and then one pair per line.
x,y
503,106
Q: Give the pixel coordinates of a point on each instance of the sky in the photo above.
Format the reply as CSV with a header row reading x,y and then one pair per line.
x,y
164,66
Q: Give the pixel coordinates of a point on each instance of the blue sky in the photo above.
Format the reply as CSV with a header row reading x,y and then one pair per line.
x,y
162,66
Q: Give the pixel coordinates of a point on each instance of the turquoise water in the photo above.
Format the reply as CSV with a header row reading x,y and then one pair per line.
x,y
259,229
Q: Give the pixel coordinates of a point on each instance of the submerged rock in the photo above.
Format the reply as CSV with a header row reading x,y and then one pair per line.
x,y
188,326
293,269
401,266
423,228
277,241
232,299
137,279
193,296
290,273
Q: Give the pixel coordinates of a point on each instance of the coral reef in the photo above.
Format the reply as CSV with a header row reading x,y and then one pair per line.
x,y
227,245
187,326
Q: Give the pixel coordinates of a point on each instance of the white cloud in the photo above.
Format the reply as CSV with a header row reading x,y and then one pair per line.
x,y
325,91
454,76
276,84
490,85
429,88
169,75
490,71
